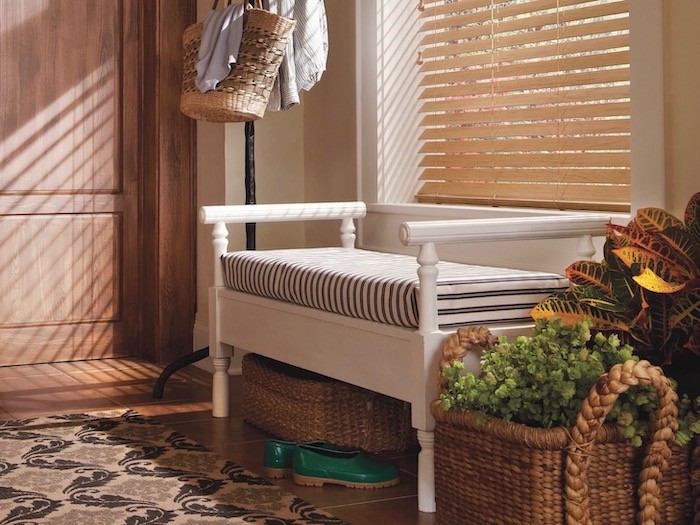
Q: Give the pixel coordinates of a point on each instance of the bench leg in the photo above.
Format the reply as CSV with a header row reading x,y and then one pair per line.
x,y
426,471
220,387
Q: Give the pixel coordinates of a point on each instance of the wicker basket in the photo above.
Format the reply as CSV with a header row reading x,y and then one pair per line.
x,y
244,93
297,405
508,473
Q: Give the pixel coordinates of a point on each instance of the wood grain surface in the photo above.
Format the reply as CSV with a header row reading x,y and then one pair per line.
x,y
96,181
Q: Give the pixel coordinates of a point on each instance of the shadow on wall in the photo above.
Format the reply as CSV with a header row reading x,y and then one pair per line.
x,y
398,119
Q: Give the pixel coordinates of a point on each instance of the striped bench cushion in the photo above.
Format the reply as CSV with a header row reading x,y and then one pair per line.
x,y
382,287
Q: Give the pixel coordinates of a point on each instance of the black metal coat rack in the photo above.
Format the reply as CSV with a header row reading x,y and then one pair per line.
x,y
250,181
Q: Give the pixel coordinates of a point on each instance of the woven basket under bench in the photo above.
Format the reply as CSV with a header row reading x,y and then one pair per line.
x,y
298,405
509,473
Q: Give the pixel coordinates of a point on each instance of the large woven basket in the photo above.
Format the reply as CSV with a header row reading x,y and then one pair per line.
x,y
297,405
508,473
244,93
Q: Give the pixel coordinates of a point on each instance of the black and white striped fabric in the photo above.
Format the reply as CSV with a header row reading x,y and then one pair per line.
x,y
382,287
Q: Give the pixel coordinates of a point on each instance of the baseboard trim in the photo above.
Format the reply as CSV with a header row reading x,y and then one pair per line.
x,y
200,335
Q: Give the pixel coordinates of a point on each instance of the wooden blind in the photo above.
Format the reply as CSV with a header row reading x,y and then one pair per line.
x,y
526,103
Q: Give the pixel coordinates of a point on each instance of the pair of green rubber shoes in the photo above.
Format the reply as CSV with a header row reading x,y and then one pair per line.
x,y
316,463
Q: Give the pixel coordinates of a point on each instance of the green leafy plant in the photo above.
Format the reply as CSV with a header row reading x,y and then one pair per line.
x,y
647,289
542,381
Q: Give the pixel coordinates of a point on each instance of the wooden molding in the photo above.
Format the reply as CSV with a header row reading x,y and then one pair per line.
x,y
167,210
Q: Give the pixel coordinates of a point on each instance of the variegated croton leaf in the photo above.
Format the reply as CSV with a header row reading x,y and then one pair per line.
x,y
685,311
652,282
625,290
571,311
659,246
656,219
681,240
589,273
638,260
595,297
659,316
692,217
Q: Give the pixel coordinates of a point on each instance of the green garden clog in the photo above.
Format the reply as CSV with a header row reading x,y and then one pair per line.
x,y
315,466
279,455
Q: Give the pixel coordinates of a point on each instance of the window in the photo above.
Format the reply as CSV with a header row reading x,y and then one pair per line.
x,y
525,103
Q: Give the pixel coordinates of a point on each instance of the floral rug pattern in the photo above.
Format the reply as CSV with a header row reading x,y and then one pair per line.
x,y
115,467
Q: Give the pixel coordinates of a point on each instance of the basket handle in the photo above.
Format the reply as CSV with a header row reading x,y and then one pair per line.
x,y
596,407
216,3
249,3
457,346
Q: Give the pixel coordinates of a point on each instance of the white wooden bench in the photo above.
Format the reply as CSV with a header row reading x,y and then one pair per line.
x,y
393,360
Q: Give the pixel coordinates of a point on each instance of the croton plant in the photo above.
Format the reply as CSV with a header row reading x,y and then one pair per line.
x,y
647,290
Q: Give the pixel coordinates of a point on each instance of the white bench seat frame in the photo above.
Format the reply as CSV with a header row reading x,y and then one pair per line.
x,y
397,361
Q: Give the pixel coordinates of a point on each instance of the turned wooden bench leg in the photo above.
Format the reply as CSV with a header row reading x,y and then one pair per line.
x,y
220,354
220,387
426,471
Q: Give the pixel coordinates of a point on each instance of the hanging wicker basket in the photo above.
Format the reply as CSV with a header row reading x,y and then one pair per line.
x,y
509,473
244,93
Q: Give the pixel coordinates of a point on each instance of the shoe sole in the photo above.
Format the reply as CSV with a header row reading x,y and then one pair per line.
x,y
278,473
311,481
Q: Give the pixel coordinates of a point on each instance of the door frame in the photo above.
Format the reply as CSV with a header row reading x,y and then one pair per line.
x,y
167,214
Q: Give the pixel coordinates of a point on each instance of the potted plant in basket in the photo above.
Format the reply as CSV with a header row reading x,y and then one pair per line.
x,y
526,440
551,428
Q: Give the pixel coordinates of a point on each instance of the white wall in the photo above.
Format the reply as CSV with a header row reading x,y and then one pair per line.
x,y
330,154
279,174
682,105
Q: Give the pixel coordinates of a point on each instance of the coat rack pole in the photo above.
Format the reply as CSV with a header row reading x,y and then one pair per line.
x,y
250,175
250,181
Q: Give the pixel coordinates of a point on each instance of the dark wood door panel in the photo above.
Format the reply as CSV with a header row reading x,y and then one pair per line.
x,y
75,277
61,95
96,181
69,188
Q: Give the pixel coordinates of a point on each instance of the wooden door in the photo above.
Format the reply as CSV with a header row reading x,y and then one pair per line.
x,y
69,261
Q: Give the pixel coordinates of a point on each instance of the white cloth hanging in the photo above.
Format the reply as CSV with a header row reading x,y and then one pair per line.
x,y
285,92
310,42
306,54
218,51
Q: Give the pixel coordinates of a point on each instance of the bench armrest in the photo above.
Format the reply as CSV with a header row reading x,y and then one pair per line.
x,y
219,216
312,211
521,228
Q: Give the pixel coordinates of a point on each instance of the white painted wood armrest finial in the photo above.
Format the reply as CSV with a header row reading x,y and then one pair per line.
x,y
427,293
347,233
585,247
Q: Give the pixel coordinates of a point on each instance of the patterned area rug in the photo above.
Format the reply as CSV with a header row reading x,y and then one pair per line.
x,y
118,467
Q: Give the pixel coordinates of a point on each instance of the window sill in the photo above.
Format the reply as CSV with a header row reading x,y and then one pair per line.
x,y
449,211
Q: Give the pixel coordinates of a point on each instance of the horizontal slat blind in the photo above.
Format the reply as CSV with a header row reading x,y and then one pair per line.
x,y
526,103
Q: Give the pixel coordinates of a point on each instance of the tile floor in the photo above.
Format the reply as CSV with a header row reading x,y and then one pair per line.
x,y
61,388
